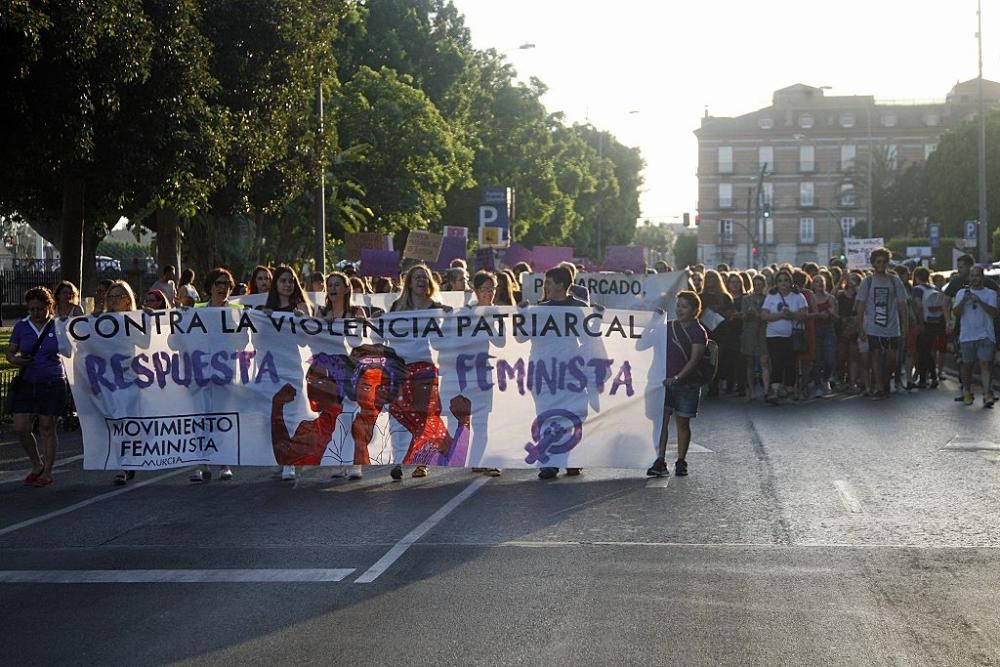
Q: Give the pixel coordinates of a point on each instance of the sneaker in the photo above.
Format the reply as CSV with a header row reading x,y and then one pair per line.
x,y
420,471
573,472
960,398
681,468
968,398
933,384
197,477
493,472
548,473
658,469
288,473
226,475
396,473
355,473
989,399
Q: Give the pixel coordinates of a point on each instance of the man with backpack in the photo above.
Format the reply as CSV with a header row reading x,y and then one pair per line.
x,y
686,344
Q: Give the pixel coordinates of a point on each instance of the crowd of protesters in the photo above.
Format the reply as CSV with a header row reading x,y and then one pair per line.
x,y
784,333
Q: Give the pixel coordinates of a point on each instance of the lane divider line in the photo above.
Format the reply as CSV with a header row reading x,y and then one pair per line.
x,y
261,576
847,497
132,486
398,549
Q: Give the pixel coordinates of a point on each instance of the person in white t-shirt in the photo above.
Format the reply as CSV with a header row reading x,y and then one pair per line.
x,y
975,308
784,309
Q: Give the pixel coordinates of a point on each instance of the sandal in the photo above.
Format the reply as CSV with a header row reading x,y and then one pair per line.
x,y
30,479
41,482
420,471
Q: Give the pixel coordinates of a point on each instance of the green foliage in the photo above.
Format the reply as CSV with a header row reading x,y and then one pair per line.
x,y
123,251
657,238
685,250
953,177
414,157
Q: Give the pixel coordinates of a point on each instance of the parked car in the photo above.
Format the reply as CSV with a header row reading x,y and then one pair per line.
x,y
107,264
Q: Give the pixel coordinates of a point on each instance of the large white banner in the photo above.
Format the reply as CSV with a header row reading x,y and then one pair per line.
x,y
493,386
382,301
626,291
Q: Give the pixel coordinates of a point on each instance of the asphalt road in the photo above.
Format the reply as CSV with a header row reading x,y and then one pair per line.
x,y
839,531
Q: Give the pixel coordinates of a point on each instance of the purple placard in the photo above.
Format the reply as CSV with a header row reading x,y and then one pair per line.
x,y
379,263
486,260
624,258
545,257
452,247
517,253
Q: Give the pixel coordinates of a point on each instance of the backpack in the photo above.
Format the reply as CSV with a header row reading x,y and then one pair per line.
x,y
708,366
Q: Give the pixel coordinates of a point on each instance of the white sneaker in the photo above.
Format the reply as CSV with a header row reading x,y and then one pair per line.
x,y
354,472
197,477
226,474
288,473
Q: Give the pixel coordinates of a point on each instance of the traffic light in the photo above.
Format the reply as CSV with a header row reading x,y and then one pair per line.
x,y
767,210
687,219
754,250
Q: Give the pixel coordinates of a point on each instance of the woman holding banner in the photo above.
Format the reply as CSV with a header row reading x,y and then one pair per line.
x,y
419,292
39,390
286,294
219,284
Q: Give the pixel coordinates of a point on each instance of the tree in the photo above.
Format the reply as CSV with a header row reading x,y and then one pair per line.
x,y
65,66
953,177
657,238
414,157
685,250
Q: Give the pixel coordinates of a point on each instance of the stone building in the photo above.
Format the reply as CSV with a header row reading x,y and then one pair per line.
x,y
808,157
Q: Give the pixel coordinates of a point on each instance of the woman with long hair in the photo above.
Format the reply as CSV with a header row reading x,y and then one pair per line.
x,y
119,298
67,298
260,280
783,308
505,293
286,294
715,297
339,292
419,292
753,338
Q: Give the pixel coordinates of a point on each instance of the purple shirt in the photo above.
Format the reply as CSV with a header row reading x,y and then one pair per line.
x,y
675,354
46,366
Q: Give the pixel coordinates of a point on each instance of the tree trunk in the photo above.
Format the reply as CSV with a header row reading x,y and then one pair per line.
x,y
168,239
71,248
89,278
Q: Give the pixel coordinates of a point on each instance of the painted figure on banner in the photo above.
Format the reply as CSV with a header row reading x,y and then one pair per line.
x,y
327,381
418,409
378,376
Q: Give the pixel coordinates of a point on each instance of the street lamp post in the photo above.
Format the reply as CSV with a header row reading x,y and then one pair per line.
x,y
829,236
984,227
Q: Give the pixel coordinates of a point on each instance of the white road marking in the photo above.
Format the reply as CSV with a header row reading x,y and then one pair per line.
x,y
967,444
391,556
658,482
851,503
8,476
693,448
171,576
132,486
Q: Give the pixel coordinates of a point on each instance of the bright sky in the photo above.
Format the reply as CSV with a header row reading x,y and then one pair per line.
x,y
670,60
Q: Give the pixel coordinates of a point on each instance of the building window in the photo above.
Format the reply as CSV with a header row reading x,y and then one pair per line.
x,y
807,230
847,227
768,230
806,121
848,152
725,159
889,120
768,193
848,199
725,195
807,195
928,149
725,231
807,158
847,120
932,119
890,157
765,122
765,156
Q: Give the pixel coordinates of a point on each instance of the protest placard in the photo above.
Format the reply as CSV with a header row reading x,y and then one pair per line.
x,y
624,258
618,290
425,246
355,242
379,263
858,252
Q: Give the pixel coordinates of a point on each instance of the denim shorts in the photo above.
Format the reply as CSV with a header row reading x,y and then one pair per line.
x,y
977,350
682,400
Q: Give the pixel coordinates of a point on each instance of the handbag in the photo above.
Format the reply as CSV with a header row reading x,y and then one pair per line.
x,y
15,382
799,342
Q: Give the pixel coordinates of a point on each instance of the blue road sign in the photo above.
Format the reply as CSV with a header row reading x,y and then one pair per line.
x,y
971,227
934,231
